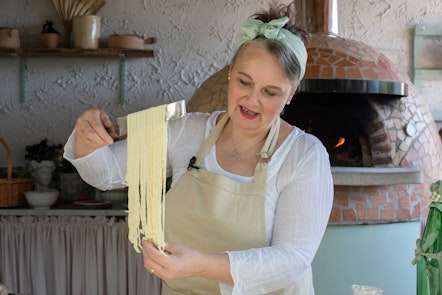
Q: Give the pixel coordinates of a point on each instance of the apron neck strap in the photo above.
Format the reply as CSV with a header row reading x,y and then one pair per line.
x,y
266,151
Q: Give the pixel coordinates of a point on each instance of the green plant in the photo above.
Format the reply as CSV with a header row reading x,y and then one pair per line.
x,y
43,151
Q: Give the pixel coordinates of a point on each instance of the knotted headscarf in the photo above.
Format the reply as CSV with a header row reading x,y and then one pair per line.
x,y
254,28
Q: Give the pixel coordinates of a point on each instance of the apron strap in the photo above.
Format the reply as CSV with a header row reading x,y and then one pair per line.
x,y
211,139
263,157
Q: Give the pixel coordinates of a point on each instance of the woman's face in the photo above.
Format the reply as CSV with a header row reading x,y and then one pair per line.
x,y
258,90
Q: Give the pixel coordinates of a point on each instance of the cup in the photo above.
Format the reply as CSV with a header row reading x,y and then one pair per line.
x,y
9,38
86,30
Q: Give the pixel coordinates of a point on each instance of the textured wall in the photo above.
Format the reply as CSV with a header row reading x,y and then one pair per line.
x,y
194,40
388,26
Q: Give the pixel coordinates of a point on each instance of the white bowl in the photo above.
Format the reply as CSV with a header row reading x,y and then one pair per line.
x,y
41,199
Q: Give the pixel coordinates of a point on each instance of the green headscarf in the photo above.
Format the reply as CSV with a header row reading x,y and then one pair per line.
x,y
254,28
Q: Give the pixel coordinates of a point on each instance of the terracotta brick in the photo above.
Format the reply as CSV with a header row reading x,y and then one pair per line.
x,y
370,190
404,203
401,187
416,212
341,55
361,209
388,213
353,73
340,73
344,63
373,214
357,198
384,75
327,73
333,59
378,200
322,62
342,201
403,214
340,189
326,51
335,215
394,194
354,60
384,189
348,215
312,72
369,74
310,59
367,64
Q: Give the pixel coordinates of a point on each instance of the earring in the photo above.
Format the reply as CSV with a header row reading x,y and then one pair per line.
x,y
228,76
288,102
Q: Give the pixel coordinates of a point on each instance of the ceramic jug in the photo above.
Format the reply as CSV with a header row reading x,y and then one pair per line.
x,y
9,38
86,30
366,290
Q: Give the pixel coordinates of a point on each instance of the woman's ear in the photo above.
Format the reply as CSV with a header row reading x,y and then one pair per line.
x,y
292,93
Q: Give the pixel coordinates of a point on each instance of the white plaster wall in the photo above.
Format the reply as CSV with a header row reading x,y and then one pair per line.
x,y
195,38
388,26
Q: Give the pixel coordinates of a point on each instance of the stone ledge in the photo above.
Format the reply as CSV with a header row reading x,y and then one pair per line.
x,y
370,176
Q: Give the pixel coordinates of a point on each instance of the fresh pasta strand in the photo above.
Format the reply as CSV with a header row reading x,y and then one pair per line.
x,y
146,175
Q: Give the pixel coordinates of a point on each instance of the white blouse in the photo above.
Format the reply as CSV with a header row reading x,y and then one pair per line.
x,y
298,200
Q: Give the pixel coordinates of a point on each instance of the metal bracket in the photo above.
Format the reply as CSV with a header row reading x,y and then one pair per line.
x,y
122,78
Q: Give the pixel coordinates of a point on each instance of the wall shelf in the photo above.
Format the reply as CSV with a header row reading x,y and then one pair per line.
x,y
122,54
75,52
420,73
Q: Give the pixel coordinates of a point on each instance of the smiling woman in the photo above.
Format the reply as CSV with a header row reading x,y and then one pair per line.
x,y
249,191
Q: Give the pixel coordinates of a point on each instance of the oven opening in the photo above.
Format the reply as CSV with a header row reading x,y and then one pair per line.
x,y
339,121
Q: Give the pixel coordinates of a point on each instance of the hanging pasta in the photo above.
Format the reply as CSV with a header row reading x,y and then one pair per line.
x,y
146,175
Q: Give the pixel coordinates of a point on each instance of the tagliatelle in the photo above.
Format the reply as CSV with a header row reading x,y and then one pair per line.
x,y
146,175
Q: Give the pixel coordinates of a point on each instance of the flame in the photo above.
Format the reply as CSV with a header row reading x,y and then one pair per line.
x,y
340,142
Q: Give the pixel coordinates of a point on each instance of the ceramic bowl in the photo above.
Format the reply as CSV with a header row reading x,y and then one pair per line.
x,y
41,199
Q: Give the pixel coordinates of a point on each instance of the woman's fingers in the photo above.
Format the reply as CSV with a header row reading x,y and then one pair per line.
x,y
90,131
154,259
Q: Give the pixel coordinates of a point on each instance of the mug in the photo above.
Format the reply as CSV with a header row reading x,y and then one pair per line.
x,y
9,38
86,29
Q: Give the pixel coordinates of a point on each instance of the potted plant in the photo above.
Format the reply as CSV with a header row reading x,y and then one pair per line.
x,y
42,159
72,187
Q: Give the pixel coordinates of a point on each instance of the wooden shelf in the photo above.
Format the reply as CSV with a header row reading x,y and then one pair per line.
x,y
76,52
122,54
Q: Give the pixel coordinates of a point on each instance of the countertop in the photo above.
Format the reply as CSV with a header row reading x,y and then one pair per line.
x,y
66,209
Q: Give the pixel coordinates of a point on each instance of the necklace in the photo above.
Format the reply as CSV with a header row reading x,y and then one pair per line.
x,y
236,155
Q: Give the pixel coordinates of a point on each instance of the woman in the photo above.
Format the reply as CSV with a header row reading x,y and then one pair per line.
x,y
247,214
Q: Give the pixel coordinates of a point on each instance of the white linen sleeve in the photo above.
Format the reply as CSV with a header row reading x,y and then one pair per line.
x,y
104,168
302,213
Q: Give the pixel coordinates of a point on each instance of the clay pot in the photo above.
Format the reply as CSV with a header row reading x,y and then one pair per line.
x,y
86,29
9,38
129,41
49,40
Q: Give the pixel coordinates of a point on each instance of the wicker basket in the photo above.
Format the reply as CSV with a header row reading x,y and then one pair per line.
x,y
12,189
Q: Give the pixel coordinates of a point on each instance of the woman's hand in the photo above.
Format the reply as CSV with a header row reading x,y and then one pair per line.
x,y
91,133
180,261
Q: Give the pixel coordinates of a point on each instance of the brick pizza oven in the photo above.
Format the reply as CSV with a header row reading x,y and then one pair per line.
x,y
383,143
384,146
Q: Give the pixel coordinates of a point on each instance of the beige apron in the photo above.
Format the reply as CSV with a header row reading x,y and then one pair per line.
x,y
213,214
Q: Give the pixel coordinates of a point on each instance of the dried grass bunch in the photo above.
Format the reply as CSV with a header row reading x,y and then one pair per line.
x,y
67,9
